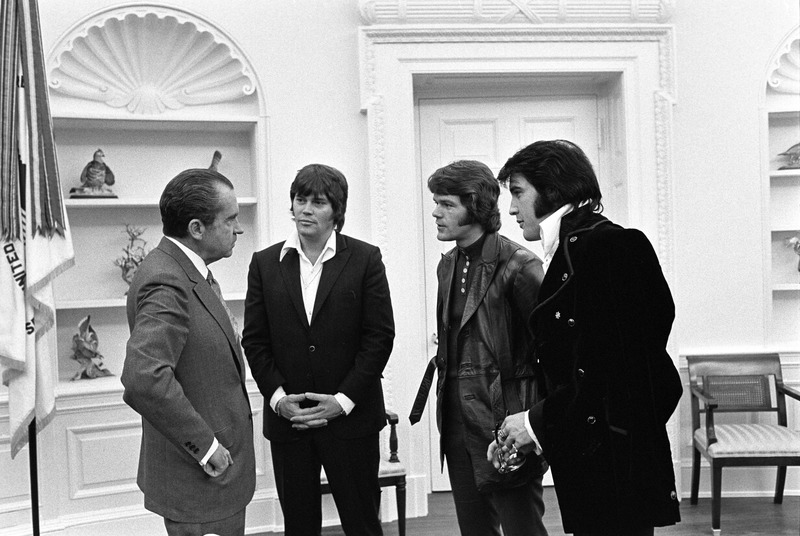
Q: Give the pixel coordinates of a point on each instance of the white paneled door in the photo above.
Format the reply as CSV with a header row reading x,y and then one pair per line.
x,y
489,130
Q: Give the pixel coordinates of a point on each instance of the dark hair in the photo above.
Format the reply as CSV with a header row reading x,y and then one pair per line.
x,y
318,179
474,183
193,193
560,172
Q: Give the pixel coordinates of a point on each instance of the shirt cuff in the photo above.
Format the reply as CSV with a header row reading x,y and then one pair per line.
x,y
210,452
537,448
277,395
345,402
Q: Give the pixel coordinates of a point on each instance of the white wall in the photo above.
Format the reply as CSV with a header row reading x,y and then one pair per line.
x,y
722,54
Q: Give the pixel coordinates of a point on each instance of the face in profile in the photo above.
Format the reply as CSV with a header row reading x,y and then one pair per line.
x,y
313,216
451,217
523,206
219,238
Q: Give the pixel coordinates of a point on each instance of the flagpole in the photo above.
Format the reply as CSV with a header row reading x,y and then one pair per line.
x,y
34,476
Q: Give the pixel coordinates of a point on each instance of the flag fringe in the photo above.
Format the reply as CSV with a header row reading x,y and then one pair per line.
x,y
20,437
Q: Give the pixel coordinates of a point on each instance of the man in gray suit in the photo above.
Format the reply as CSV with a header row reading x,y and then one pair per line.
x,y
184,372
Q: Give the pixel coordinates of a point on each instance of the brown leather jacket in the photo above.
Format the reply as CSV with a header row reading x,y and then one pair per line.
x,y
496,372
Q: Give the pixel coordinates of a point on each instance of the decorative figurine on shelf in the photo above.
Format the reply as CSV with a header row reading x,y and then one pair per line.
x,y
793,153
794,243
215,161
96,179
133,254
84,348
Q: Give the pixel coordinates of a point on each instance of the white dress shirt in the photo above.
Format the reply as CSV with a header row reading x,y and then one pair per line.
x,y
310,275
549,231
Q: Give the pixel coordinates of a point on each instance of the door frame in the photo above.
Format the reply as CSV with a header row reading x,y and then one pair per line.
x,y
462,98
394,60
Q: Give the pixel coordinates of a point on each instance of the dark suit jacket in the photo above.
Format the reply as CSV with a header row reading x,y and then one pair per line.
x,y
344,349
600,330
185,375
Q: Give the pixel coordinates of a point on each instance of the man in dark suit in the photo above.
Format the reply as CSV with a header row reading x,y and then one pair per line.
x,y
318,333
184,371
601,326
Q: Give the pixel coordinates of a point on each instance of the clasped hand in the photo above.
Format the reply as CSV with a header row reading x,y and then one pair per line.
x,y
512,433
327,408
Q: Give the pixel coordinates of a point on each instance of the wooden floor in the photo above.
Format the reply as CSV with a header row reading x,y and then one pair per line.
x,y
740,517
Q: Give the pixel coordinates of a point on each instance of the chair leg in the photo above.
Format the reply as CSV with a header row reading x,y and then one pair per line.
x,y
400,493
695,475
716,496
779,484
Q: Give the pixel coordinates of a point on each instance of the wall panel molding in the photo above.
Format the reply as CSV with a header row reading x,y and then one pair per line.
x,y
515,11
102,459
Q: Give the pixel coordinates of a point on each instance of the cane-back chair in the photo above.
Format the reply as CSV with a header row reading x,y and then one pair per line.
x,y
748,384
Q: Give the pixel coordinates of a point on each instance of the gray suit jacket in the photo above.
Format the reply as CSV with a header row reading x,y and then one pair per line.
x,y
184,374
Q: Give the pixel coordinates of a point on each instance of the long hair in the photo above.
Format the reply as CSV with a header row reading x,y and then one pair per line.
x,y
561,173
193,193
474,183
317,179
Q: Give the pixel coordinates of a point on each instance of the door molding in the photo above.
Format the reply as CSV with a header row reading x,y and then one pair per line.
x,y
639,57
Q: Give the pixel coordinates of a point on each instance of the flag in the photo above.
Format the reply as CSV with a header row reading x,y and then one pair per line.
x,y
35,237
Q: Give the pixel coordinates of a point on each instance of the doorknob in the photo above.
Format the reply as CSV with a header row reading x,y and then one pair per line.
x,y
435,339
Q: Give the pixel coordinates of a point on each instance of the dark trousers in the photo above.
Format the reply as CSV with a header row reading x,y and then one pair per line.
x,y
351,466
518,510
230,526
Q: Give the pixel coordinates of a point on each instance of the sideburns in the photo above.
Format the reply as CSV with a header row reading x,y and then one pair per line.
x,y
467,219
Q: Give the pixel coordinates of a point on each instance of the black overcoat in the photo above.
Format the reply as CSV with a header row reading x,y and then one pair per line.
x,y
601,329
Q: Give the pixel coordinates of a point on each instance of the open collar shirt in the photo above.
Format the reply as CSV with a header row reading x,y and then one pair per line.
x,y
310,274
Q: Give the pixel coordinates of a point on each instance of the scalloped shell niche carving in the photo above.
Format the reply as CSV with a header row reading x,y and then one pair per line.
x,y
149,63
784,75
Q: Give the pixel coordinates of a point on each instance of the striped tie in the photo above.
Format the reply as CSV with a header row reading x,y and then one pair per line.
x,y
218,292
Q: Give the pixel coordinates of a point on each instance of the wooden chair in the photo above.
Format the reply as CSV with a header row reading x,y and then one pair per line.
x,y
740,383
390,473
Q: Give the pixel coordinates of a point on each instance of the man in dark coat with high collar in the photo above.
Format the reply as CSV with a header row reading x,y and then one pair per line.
x,y
318,332
184,371
601,326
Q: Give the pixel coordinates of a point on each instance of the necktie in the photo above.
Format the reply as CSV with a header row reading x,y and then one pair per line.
x,y
218,292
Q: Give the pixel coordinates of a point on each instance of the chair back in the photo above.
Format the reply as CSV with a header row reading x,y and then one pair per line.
x,y
738,383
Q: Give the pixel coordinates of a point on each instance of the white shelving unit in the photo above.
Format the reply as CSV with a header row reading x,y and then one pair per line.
x,y
782,218
155,108
144,155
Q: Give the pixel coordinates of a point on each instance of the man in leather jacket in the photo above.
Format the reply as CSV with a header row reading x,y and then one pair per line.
x,y
601,324
487,288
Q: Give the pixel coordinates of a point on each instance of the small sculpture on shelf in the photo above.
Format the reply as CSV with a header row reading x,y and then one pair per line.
x,y
96,179
793,153
84,351
133,254
794,243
